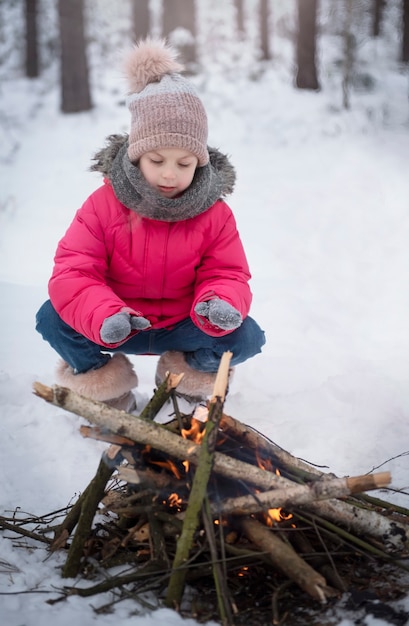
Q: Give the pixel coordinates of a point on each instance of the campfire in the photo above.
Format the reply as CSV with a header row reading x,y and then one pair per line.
x,y
207,503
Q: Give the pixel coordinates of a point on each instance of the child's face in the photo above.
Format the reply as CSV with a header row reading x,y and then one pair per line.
x,y
168,170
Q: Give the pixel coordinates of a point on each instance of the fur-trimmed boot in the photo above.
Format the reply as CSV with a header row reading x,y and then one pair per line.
x,y
195,385
112,383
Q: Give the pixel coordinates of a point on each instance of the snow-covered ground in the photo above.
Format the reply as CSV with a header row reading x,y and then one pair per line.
x,y
322,204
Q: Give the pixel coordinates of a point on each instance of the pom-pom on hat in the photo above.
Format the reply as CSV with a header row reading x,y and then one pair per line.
x,y
165,108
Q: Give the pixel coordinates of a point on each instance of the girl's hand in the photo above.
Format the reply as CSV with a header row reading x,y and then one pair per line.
x,y
117,327
220,314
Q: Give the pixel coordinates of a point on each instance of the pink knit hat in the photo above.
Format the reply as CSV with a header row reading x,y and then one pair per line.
x,y
165,108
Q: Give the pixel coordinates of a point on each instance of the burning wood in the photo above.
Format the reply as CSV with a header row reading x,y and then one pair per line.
x,y
194,483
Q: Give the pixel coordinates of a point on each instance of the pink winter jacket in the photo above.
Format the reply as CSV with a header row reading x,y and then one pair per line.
x,y
111,258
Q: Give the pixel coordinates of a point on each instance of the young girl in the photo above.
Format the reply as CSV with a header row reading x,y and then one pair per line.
x,y
152,262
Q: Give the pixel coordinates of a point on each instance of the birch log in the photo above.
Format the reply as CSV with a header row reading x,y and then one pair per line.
x,y
393,535
145,431
297,495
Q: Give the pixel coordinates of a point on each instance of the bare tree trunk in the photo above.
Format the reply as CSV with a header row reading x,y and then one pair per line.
x,y
349,55
180,16
32,65
378,6
306,45
405,34
140,19
75,90
265,30
239,4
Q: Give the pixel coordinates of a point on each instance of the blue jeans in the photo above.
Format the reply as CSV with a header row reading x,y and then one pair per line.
x,y
202,352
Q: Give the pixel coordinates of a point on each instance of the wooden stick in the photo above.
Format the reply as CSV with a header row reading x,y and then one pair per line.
x,y
102,435
286,559
191,521
198,490
145,431
158,569
222,378
296,495
88,509
219,575
393,535
161,396
19,530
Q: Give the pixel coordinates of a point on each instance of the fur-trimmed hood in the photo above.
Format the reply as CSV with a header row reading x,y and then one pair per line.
x,y
211,182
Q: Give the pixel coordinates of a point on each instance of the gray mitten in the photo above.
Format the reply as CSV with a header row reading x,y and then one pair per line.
x,y
220,313
117,327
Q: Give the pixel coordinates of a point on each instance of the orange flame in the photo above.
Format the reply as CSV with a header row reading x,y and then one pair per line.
x,y
265,464
273,515
195,432
169,465
243,571
276,515
174,500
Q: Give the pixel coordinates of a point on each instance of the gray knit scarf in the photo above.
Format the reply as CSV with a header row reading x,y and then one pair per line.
x,y
211,182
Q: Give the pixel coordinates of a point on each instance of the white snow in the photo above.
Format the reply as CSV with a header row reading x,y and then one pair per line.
x,y
322,204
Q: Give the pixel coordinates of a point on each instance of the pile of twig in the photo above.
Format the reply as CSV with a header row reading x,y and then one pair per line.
x,y
228,513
